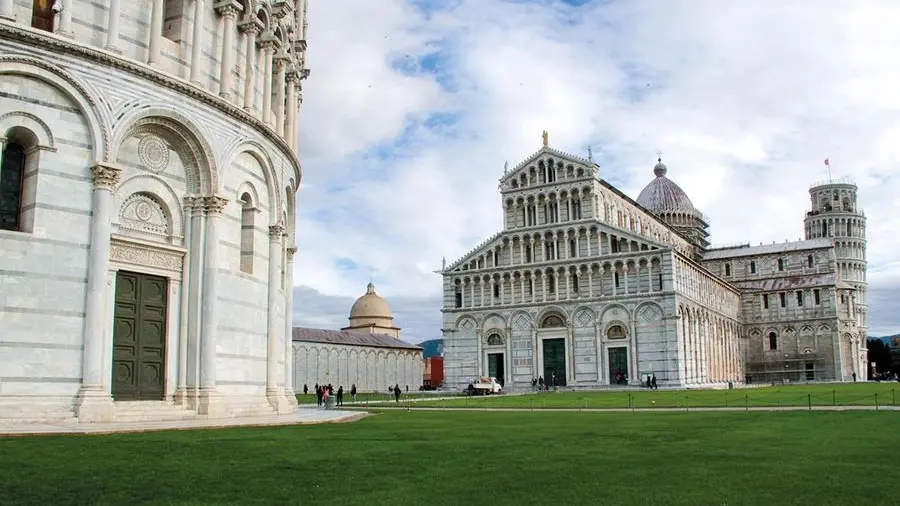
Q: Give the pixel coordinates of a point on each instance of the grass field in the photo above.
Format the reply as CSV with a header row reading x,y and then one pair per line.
x,y
475,458
852,394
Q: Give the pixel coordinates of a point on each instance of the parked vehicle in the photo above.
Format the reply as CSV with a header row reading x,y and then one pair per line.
x,y
484,386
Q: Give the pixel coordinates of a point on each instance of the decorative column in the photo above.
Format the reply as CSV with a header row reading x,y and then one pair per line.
x,y
197,41
185,312
268,46
112,27
281,62
195,291
229,10
8,10
157,14
209,404
252,27
94,402
65,19
289,394
290,129
275,397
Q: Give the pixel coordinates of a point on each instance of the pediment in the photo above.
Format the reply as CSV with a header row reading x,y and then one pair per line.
x,y
527,173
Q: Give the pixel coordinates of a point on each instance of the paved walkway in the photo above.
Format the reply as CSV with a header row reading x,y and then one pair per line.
x,y
303,416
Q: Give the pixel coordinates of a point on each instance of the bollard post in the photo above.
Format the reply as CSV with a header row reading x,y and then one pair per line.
x,y
876,401
893,401
747,403
833,398
532,404
809,401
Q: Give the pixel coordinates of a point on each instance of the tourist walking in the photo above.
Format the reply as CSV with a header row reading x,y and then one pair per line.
x,y
305,389
353,392
397,393
653,384
340,395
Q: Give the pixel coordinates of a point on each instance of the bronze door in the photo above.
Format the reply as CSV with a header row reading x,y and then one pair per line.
x,y
139,337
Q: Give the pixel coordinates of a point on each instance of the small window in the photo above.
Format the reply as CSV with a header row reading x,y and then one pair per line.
x,y
765,301
616,278
843,299
824,229
529,287
248,215
458,298
783,299
12,175
728,269
575,283
799,299
816,297
809,261
780,264
496,290
42,15
573,252
773,341
551,283
528,253
752,267
848,229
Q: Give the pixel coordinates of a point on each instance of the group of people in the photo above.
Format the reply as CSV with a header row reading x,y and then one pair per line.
x,y
539,385
651,382
327,397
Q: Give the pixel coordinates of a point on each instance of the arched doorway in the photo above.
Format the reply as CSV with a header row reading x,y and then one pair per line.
x,y
554,350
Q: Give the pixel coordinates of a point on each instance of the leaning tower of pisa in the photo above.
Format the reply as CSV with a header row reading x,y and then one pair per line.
x,y
836,214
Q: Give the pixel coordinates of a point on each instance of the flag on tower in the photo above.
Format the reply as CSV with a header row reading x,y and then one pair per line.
x,y
826,162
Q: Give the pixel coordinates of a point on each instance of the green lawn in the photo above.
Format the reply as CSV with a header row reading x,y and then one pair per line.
x,y
847,394
476,458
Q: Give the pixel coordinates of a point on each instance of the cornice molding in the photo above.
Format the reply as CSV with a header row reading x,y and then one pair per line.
x,y
62,45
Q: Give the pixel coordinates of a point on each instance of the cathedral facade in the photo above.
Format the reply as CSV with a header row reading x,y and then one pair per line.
x,y
586,287
147,207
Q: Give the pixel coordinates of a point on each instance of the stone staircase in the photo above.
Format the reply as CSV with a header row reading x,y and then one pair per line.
x,y
151,411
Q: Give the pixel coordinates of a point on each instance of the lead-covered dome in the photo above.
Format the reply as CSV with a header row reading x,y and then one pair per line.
x,y
370,305
662,195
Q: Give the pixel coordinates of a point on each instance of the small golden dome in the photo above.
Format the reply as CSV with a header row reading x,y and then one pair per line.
x,y
370,305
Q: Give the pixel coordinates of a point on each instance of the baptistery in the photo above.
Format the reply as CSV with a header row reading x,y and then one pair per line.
x,y
147,207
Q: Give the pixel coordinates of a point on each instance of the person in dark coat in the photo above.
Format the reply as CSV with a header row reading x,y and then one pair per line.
x,y
305,389
353,392
653,384
340,395
397,393
319,391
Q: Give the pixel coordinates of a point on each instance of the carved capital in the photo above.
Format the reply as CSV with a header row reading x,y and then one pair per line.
x,y
269,42
292,77
276,231
228,8
106,176
251,24
214,204
291,251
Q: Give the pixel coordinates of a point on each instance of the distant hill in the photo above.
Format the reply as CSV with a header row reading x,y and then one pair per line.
x,y
432,348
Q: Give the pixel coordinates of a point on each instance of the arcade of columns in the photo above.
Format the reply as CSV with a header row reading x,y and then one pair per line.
x,y
708,315
278,70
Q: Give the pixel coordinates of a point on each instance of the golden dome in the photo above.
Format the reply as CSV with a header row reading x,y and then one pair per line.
x,y
370,305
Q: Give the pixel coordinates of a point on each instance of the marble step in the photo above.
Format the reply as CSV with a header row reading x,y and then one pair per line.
x,y
140,411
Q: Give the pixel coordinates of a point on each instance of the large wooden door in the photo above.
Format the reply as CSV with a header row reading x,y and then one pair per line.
x,y
139,337
618,363
495,367
554,362
42,15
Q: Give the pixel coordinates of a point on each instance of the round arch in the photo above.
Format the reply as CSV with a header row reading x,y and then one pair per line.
x,y
72,88
256,150
205,177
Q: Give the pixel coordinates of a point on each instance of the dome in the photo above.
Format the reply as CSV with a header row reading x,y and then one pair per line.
x,y
662,195
370,305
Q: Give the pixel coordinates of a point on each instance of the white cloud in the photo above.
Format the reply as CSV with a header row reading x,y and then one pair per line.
x,y
744,99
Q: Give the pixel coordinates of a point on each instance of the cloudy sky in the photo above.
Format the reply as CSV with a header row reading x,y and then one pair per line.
x,y
413,106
